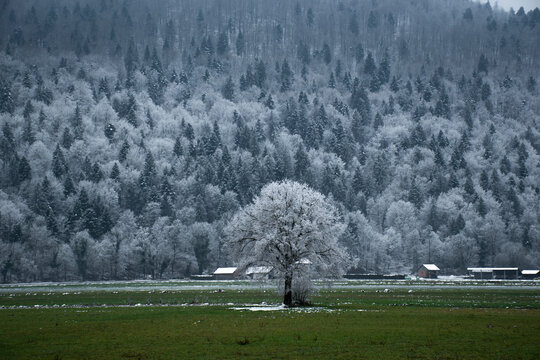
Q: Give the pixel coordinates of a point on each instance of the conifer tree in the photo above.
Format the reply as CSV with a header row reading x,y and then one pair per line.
x,y
378,121
227,91
148,175
28,131
373,20
222,46
483,64
177,149
481,207
260,74
269,102
301,162
442,108
115,172
383,75
131,59
24,170
369,66
124,150
27,81
59,166
286,76
7,104
360,102
310,17
130,110
531,85
77,123
97,173
240,44
415,195
327,54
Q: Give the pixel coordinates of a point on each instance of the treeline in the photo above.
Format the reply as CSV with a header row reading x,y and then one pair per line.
x,y
132,131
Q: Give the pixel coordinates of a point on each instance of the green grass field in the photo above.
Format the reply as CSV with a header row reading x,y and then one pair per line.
x,y
428,323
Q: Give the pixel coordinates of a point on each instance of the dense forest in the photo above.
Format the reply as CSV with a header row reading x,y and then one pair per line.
x,y
132,131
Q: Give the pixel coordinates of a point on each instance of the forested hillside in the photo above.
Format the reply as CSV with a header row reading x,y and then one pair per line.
x,y
132,131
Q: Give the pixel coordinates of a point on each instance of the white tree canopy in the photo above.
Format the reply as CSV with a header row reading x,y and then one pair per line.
x,y
291,228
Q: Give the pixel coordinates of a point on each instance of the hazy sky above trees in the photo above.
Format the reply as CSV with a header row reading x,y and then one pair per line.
x,y
516,4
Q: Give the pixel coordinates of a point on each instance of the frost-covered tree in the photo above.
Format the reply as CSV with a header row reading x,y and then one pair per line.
x,y
81,245
291,228
6,98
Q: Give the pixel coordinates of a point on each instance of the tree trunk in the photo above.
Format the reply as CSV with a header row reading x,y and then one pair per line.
x,y
116,258
6,268
287,297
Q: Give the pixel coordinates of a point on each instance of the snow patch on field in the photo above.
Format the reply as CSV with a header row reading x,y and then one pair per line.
x,y
261,308
265,307
78,306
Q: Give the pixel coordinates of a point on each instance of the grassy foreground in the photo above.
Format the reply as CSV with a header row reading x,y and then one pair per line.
x,y
345,324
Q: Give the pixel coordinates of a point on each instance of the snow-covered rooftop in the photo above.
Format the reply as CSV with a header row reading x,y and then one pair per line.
x,y
225,271
258,270
530,272
491,269
304,261
431,267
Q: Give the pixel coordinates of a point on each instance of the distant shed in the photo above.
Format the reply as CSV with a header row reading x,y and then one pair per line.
x,y
505,273
481,273
226,273
259,272
428,271
530,274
